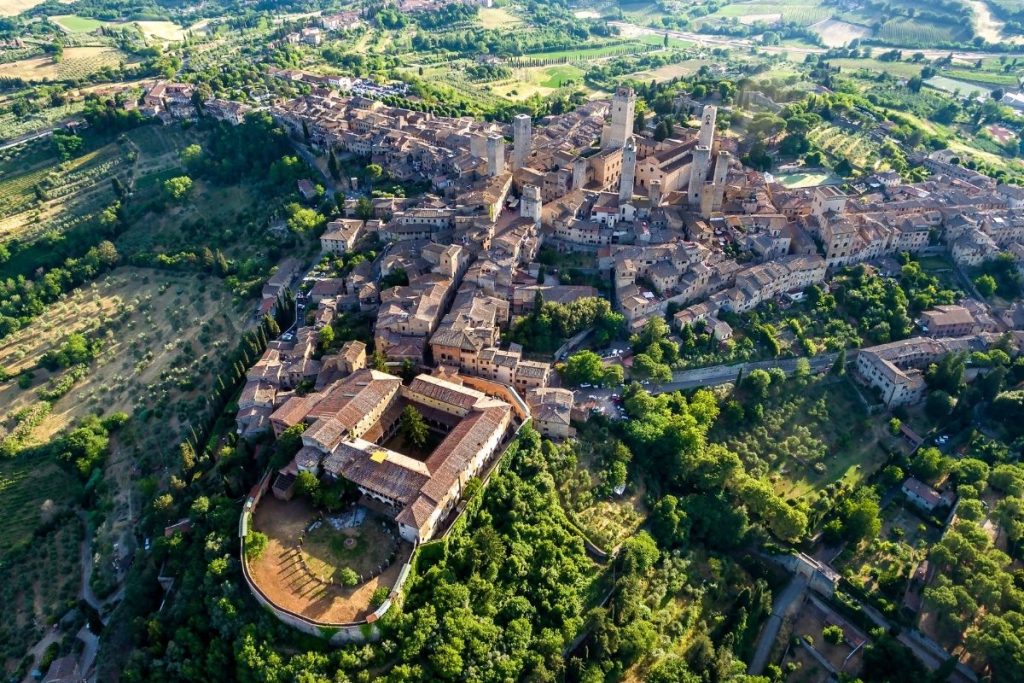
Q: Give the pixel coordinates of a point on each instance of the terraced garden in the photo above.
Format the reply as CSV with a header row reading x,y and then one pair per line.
x,y
25,487
857,148
37,586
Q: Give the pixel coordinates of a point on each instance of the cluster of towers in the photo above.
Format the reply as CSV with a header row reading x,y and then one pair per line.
x,y
491,148
704,193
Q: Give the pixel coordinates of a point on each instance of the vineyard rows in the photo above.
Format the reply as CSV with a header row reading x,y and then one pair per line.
x,y
910,32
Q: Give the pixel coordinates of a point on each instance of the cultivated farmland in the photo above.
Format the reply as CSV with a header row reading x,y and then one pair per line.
x,y
918,33
38,194
78,63
157,330
9,8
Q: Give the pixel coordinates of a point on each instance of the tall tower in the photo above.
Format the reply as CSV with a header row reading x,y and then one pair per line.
x,y
623,113
579,173
495,155
628,171
531,205
698,173
522,134
721,172
706,138
478,145
654,193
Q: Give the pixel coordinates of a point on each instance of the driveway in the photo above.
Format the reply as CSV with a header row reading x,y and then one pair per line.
x,y
781,606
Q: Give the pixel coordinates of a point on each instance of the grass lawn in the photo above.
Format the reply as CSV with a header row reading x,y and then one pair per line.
x,y
72,23
797,180
361,549
161,30
670,71
537,80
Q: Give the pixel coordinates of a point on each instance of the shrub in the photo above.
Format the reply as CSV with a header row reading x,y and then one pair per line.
x,y
348,577
380,595
832,634
255,544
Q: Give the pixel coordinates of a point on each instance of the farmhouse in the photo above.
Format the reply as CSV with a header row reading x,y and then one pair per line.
x,y
924,496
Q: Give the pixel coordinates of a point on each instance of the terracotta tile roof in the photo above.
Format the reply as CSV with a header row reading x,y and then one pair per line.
x,y
350,399
295,409
446,392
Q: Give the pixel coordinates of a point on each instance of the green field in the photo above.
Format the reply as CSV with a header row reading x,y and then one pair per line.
x,y
898,69
996,78
72,23
497,18
555,76
952,85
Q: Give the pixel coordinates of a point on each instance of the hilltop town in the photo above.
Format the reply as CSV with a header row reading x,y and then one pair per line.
x,y
511,341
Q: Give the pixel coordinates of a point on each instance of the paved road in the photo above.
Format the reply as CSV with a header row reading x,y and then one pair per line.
x,y
14,142
627,29
783,602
